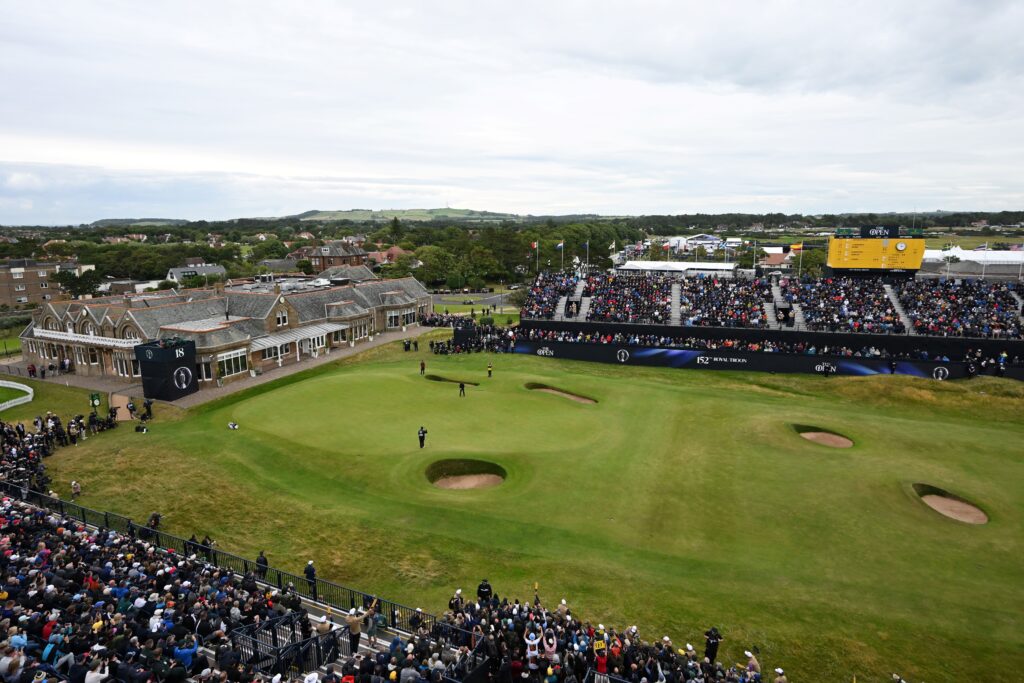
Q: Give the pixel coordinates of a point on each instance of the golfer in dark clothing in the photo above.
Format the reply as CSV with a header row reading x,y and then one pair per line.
x,y
423,367
423,436
462,388
484,591
490,369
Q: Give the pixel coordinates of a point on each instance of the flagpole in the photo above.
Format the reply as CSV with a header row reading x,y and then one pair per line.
x,y
588,255
538,255
562,266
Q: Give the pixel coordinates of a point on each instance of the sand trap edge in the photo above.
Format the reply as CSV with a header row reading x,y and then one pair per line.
x,y
465,473
950,505
823,437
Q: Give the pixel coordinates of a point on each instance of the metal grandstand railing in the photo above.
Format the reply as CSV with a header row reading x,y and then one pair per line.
x,y
280,646
399,617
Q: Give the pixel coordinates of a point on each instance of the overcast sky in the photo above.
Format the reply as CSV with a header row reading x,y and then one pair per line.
x,y
227,109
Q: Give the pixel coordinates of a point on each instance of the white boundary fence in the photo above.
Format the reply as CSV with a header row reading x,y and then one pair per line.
x,y
29,394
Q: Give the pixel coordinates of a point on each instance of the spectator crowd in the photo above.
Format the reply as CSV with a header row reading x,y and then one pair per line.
x,y
797,346
971,308
617,298
967,308
722,302
843,304
545,293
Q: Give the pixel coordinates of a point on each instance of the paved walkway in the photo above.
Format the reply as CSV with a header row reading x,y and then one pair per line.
x,y
212,394
111,385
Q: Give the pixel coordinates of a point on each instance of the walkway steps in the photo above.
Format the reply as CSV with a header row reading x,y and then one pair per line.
x,y
1020,303
904,318
584,308
560,308
676,316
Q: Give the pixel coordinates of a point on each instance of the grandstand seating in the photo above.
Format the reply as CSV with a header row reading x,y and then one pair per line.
x,y
843,304
714,302
971,308
620,298
543,296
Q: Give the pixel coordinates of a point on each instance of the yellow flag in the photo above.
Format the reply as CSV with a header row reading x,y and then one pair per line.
x,y
797,247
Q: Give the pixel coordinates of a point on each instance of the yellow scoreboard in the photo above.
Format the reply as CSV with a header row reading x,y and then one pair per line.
x,y
889,253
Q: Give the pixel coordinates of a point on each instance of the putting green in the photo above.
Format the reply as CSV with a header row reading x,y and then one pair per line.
x,y
678,501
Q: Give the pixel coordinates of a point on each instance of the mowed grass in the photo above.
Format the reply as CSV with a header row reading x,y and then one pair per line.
x,y
679,501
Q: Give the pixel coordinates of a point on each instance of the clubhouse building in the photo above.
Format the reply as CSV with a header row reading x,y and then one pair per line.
x,y
238,330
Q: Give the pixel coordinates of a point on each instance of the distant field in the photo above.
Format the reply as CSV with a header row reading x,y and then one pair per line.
x,y
11,343
969,242
407,215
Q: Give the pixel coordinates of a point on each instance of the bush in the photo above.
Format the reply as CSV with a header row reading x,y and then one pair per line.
x,y
486,320
477,284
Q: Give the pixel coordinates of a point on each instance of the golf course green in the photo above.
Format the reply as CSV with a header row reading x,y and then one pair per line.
x,y
677,500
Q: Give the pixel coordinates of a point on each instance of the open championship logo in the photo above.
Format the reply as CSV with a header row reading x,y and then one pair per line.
x,y
940,373
823,367
545,351
182,378
622,355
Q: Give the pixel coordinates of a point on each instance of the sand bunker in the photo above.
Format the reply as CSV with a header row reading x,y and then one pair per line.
x,y
823,437
439,378
469,481
949,505
465,474
544,388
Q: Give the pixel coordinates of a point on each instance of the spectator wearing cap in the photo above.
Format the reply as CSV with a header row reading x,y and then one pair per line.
x,y
355,633
753,666
780,675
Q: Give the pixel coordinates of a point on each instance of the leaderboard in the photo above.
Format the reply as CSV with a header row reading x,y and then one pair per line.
x,y
870,249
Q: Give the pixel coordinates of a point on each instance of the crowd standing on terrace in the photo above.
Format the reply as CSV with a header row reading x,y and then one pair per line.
x,y
617,298
763,346
527,641
972,308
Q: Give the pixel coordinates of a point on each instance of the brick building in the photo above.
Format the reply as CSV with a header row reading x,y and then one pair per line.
x,y
331,254
25,282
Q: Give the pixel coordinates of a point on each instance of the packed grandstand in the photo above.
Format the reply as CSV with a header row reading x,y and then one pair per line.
x,y
870,305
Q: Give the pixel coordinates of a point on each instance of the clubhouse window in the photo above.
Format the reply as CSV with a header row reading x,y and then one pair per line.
x,y
94,356
276,352
17,276
339,336
204,371
80,355
232,363
22,299
318,342
19,288
282,318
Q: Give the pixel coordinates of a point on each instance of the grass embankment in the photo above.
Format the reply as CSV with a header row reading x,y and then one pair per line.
x,y
680,500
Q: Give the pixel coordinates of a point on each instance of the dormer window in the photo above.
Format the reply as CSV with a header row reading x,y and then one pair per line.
x,y
282,318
